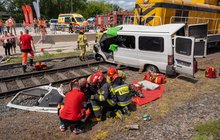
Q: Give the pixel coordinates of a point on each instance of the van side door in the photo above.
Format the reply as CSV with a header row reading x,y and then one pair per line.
x,y
126,53
184,55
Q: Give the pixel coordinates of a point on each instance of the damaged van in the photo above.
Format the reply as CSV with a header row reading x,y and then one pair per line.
x,y
162,48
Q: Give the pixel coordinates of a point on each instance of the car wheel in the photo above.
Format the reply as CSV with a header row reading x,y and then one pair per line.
x,y
99,58
151,68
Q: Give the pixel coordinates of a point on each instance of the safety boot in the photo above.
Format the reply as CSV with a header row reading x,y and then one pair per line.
x,y
126,111
96,119
31,61
120,115
24,67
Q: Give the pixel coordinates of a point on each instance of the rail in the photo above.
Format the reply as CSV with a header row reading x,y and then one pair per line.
x,y
197,20
13,84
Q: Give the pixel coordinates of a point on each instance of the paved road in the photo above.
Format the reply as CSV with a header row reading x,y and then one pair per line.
x,y
61,41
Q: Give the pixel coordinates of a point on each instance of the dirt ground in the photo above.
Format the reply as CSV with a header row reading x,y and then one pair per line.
x,y
184,103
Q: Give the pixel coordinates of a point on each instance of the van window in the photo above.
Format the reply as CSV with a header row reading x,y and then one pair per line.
x,y
73,19
126,41
183,46
120,40
67,19
155,44
79,19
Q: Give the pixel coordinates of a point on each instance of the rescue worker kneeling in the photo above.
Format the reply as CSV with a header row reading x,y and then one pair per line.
x,y
111,72
123,95
73,112
100,95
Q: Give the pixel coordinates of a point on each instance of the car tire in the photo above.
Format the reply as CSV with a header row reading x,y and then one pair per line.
x,y
99,57
151,68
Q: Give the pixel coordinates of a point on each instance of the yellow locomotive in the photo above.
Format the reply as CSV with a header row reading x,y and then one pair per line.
x,y
157,12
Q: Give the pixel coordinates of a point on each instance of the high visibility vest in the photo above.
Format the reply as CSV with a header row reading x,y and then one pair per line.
x,y
6,23
40,22
123,94
85,23
44,23
82,40
99,35
11,22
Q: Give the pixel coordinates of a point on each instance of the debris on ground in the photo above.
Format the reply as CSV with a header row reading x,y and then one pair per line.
x,y
133,127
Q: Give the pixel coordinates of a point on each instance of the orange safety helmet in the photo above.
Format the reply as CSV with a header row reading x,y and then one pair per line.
x,y
111,71
81,31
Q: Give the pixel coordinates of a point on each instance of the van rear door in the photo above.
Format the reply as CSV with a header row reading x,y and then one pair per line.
x,y
184,55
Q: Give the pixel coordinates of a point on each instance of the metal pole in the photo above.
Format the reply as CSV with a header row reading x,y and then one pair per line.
x,y
71,4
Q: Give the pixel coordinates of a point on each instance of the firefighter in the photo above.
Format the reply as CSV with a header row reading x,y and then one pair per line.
x,y
112,71
70,27
101,99
99,35
82,43
123,95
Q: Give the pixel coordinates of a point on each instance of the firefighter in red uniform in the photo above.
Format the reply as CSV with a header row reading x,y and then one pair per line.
x,y
73,111
100,98
26,40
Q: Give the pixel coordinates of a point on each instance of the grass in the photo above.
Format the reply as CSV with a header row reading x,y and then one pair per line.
x,y
208,130
45,55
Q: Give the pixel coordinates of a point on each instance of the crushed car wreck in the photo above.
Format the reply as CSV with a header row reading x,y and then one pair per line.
x,y
39,99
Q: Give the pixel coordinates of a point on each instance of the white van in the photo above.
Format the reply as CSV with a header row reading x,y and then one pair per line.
x,y
150,48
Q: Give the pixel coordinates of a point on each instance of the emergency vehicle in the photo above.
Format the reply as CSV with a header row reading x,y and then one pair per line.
x,y
163,48
65,19
112,19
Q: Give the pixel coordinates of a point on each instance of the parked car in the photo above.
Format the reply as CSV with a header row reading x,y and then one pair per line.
x,y
53,24
91,21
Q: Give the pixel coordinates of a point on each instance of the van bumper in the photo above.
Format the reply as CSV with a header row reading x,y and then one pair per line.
x,y
170,70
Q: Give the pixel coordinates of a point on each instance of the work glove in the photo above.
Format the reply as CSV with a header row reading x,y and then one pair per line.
x,y
92,97
139,94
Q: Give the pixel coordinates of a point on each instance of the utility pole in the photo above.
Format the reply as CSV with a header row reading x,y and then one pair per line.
x,y
71,4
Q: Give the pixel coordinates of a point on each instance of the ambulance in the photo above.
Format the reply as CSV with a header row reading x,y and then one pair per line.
x,y
65,19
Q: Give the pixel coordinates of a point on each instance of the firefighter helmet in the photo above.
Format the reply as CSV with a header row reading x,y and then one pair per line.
x,y
81,31
96,78
111,71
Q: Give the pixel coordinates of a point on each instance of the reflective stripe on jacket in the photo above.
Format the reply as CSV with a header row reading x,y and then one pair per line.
x,y
82,40
123,94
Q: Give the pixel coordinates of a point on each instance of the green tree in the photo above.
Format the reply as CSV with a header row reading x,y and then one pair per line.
x,y
52,8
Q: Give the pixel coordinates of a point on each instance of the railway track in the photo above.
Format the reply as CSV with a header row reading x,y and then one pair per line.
x,y
12,84
19,65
